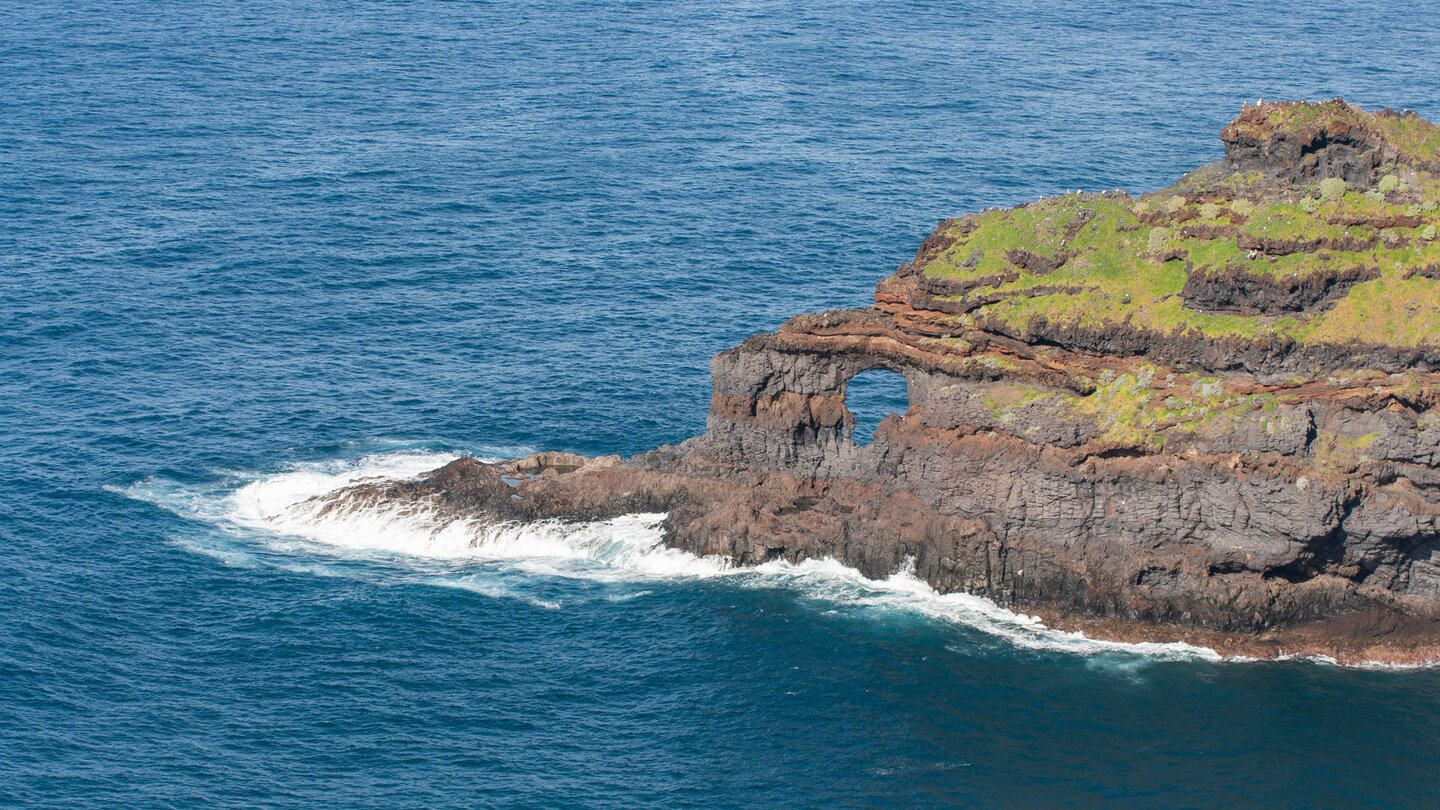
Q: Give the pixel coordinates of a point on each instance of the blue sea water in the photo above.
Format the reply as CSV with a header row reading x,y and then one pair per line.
x,y
251,251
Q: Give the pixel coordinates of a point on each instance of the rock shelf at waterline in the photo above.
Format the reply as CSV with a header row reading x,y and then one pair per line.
x,y
1204,415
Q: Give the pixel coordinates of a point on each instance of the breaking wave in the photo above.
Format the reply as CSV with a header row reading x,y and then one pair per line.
x,y
272,519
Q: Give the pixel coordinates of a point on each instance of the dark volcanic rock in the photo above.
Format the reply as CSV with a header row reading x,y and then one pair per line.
x,y
1341,148
1236,531
1233,289
1244,490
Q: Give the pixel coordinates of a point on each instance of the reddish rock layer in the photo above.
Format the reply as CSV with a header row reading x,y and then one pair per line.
x,y
1250,494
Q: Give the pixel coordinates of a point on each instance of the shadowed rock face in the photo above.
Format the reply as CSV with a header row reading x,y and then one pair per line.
x,y
1233,290
1347,151
1255,493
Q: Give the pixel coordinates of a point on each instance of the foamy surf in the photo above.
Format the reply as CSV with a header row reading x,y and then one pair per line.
x,y
280,510
833,582
277,510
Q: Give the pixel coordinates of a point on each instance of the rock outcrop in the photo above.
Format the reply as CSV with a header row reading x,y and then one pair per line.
x,y
1211,413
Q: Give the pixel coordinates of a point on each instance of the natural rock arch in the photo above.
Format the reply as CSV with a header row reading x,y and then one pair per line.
x,y
870,396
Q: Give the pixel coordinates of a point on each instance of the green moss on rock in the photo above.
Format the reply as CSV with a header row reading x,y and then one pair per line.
x,y
1103,261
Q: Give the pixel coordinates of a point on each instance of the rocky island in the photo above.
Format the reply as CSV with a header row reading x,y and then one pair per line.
x,y
1210,413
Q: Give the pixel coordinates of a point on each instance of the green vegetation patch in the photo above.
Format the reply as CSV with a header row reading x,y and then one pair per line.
x,y
1123,262
1143,406
1336,452
1050,228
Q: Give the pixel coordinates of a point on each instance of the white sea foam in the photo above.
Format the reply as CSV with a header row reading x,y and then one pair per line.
x,y
1311,658
834,582
617,549
1383,665
279,509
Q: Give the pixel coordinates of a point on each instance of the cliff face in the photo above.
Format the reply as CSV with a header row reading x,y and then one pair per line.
x,y
1211,413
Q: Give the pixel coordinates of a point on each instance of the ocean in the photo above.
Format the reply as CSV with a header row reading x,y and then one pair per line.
x,y
250,252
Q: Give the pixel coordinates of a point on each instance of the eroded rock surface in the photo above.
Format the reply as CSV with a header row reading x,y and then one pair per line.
x,y
1149,419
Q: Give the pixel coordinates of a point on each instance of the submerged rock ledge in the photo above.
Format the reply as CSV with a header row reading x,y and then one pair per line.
x,y
1209,414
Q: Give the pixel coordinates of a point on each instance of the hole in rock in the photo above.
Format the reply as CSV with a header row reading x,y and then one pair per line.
x,y
871,396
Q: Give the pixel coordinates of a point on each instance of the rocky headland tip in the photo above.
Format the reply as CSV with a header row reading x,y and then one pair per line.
x,y
1209,414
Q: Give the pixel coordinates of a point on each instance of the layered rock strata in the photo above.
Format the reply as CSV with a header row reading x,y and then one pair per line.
x,y
1208,414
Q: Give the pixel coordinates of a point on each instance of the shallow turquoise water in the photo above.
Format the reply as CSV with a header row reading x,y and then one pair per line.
x,y
248,251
